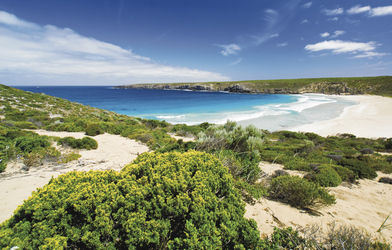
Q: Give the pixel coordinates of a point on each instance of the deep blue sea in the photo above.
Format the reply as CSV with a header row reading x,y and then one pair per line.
x,y
272,112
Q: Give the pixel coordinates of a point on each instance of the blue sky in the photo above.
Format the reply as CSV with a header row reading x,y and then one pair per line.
x,y
113,42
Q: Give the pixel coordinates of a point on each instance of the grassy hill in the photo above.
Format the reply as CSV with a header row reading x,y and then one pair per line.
x,y
381,85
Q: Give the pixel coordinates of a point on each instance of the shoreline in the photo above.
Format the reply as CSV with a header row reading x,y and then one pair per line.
x,y
371,117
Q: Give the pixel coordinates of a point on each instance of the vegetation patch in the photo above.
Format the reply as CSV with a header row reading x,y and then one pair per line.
x,y
84,143
325,176
299,192
172,200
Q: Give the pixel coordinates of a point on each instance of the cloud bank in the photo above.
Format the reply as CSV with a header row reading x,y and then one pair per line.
x,y
53,55
338,46
372,12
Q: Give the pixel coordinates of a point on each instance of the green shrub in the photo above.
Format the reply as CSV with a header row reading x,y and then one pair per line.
x,y
344,173
291,135
3,164
288,238
93,129
30,144
360,169
298,192
386,180
89,143
69,157
12,134
325,176
297,163
84,143
16,115
25,125
161,201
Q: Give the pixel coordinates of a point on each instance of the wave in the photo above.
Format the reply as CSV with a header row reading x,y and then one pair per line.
x,y
306,102
302,102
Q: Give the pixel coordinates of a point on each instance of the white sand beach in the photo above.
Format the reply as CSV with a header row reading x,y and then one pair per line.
x,y
371,118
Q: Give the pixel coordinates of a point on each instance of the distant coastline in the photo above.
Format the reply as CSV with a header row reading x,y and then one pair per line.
x,y
331,86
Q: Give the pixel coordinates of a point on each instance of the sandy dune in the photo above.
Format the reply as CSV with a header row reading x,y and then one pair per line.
x,y
114,152
365,205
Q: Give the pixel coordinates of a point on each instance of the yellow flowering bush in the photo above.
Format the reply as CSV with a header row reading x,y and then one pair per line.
x,y
171,200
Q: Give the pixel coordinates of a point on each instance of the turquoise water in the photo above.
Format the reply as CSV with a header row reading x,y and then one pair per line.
x,y
272,112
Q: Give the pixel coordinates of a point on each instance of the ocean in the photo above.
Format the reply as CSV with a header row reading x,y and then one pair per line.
x,y
265,111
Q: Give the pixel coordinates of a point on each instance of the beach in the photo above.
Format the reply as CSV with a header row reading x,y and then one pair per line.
x,y
371,117
364,205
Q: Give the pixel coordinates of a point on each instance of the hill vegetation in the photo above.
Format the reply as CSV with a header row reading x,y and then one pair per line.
x,y
185,194
381,85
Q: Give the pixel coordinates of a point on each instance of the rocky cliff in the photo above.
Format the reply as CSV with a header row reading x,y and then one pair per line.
x,y
337,88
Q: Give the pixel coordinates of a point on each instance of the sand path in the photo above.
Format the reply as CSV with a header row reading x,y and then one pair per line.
x,y
114,152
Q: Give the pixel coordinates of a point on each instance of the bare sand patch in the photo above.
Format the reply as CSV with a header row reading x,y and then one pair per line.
x,y
365,205
114,152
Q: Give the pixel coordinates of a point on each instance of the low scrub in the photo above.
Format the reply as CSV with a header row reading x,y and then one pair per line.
x,y
344,173
93,129
160,201
386,180
325,176
84,143
299,192
360,168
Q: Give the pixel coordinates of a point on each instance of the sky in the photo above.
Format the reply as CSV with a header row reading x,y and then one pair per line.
x,y
116,42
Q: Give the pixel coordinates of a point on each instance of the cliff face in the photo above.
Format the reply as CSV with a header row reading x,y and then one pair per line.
x,y
336,88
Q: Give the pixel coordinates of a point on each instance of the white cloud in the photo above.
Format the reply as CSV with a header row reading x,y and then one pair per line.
x,y
338,46
381,11
230,49
235,62
325,34
378,11
10,19
338,33
357,9
282,44
371,54
274,35
333,12
305,21
307,5
52,55
333,19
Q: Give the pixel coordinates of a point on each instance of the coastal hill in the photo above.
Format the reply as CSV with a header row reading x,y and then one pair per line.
x,y
381,85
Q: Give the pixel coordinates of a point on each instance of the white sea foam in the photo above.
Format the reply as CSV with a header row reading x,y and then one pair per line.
x,y
265,112
306,102
170,116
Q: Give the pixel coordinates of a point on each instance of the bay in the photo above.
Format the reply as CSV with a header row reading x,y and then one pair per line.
x,y
266,111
